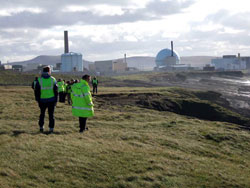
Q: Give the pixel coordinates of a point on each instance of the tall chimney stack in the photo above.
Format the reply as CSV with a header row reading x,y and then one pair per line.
x,y
66,42
172,48
125,58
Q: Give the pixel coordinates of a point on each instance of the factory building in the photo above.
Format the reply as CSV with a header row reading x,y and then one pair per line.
x,y
6,67
230,62
109,66
18,68
70,61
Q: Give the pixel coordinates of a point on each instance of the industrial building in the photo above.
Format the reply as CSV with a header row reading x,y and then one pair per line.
x,y
108,66
18,68
167,58
230,62
70,61
6,67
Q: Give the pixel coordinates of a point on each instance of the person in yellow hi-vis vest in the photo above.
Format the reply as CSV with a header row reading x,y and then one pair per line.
x,y
94,84
46,96
82,104
60,84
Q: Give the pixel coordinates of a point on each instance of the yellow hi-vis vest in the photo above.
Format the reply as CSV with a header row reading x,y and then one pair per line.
x,y
82,105
47,87
60,86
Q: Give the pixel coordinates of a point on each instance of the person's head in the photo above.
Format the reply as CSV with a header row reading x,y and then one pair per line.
x,y
47,70
86,77
59,80
94,78
36,78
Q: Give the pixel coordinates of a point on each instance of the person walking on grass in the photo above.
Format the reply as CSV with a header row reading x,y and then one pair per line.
x,y
60,84
82,104
46,93
33,85
94,84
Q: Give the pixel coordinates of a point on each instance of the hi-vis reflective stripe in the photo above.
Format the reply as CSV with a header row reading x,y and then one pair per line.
x,y
85,94
47,88
81,108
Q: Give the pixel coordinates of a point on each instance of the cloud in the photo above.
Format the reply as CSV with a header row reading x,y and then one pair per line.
x,y
48,17
240,20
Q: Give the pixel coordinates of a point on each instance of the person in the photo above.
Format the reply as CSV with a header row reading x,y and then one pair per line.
x,y
60,84
82,104
46,93
68,91
94,84
33,85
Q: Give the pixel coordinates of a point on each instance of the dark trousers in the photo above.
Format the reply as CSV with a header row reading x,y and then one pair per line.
x,y
51,109
61,97
68,98
82,122
94,88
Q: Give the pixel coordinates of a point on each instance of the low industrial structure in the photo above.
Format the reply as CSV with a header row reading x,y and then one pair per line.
x,y
231,62
108,66
6,67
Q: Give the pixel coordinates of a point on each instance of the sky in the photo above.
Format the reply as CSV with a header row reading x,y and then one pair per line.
x,y
106,29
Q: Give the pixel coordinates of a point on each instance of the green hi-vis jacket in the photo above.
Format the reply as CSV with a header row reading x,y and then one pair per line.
x,y
47,86
60,86
82,105
65,87
95,81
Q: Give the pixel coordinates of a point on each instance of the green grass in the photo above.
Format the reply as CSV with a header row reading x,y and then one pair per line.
x,y
126,146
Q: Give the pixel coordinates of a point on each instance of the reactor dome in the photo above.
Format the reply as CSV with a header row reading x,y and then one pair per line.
x,y
164,58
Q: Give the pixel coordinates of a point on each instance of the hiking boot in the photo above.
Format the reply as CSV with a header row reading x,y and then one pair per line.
x,y
81,130
51,130
41,129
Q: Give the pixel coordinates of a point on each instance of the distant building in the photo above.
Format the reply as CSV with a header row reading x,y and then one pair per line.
x,y
230,62
108,66
167,58
0,63
71,62
104,66
208,67
31,67
6,67
18,68
92,67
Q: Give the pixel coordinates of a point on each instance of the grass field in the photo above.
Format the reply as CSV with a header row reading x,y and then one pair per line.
x,y
126,146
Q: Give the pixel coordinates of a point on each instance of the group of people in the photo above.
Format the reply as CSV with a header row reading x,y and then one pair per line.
x,y
64,88
78,94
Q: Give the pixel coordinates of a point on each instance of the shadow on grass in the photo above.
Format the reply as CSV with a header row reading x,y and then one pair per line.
x,y
17,133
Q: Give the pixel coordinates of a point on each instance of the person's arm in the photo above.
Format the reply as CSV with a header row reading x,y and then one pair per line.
x,y
33,85
37,91
87,96
55,88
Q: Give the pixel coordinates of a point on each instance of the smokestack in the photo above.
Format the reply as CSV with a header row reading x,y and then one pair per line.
x,y
66,42
172,48
239,56
125,58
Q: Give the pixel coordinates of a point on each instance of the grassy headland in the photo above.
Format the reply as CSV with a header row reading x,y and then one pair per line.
x,y
129,144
